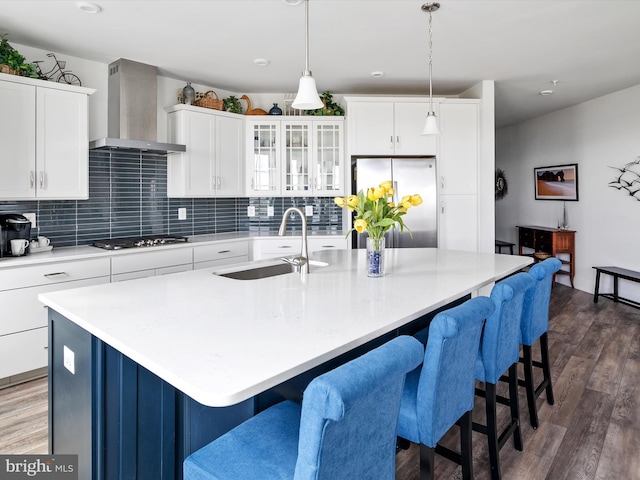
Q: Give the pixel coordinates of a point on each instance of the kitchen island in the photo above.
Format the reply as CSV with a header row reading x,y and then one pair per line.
x,y
163,365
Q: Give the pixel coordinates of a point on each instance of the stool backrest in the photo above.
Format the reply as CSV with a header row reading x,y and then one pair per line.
x,y
535,312
350,415
446,384
500,345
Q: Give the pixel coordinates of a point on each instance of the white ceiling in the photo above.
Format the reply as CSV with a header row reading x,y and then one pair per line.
x,y
591,47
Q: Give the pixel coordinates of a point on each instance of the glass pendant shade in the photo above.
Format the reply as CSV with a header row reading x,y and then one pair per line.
x,y
431,125
307,97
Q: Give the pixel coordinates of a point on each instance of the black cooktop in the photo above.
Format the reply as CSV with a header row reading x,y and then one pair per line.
x,y
139,242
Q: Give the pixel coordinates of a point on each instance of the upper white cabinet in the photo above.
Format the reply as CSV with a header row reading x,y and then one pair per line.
x,y
295,157
389,126
43,140
458,157
212,164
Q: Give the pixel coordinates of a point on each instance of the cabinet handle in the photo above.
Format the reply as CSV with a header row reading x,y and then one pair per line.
x,y
42,179
328,246
442,207
252,188
391,142
224,251
56,274
219,182
32,178
398,141
441,182
284,246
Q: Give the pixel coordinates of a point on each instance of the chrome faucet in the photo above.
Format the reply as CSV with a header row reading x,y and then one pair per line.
x,y
301,262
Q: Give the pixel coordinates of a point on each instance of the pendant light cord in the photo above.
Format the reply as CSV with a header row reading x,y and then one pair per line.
x,y
306,37
430,61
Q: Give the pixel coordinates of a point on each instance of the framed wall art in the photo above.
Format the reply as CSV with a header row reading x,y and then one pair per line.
x,y
558,182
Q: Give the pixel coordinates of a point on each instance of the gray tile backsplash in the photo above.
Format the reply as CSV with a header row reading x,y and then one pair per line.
x,y
128,197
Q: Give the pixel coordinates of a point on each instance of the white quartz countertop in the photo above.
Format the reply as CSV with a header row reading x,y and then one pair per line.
x,y
222,341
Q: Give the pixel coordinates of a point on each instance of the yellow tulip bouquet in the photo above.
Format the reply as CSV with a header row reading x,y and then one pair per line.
x,y
376,212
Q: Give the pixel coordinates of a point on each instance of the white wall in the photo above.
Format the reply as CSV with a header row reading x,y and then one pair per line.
x,y
597,135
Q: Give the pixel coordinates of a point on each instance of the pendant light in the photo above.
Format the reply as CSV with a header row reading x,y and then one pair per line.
x,y
431,123
307,97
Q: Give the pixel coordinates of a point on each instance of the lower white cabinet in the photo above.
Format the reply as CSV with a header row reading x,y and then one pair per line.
x,y
275,247
220,254
458,228
150,264
23,324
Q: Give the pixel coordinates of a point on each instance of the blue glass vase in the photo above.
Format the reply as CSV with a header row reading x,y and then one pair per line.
x,y
375,257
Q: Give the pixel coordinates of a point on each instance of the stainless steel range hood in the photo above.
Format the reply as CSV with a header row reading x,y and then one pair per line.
x,y
132,110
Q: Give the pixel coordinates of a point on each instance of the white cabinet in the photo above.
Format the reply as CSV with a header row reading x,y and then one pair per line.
x,y
276,247
23,324
212,164
300,157
221,253
458,164
43,140
149,264
389,127
458,158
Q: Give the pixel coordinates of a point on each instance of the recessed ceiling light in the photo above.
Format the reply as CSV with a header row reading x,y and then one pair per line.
x,y
261,62
544,93
88,7
292,2
377,74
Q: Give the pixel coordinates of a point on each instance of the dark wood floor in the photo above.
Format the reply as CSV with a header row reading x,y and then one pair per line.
x,y
592,431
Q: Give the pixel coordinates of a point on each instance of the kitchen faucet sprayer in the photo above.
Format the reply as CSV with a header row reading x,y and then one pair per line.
x,y
301,261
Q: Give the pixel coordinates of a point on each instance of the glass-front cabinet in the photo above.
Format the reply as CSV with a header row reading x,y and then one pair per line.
x,y
295,157
263,158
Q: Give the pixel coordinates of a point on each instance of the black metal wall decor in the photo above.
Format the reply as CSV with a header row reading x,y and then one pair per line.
x,y
629,179
501,184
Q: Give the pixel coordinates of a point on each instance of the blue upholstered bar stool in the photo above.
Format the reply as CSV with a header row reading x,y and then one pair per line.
x,y
441,392
345,428
534,326
499,352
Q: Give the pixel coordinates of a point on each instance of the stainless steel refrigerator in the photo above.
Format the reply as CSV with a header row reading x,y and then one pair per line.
x,y
410,175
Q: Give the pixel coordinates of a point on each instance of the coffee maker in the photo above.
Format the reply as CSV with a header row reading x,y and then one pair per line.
x,y
13,226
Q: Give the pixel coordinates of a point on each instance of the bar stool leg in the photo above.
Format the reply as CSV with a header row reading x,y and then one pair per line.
x,y
546,370
529,387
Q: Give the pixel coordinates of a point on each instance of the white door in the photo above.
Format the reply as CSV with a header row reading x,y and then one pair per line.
x,y
17,140
409,123
229,160
62,154
372,128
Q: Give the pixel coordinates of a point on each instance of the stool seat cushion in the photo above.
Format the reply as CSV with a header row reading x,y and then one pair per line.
x,y
268,441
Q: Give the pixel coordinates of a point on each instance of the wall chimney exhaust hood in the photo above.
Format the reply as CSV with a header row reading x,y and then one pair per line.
x,y
132,110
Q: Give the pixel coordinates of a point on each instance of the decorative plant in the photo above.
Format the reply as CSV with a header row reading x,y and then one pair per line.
x,y
330,108
232,104
10,57
376,212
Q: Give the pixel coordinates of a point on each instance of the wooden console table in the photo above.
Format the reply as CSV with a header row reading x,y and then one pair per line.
x,y
551,241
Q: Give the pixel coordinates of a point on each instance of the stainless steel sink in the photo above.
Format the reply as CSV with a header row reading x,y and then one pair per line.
x,y
264,271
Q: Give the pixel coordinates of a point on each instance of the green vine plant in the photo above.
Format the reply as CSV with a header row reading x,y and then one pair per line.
x,y
232,104
330,107
11,57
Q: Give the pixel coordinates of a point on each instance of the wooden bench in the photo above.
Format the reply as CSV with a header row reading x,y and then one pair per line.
x,y
500,244
616,273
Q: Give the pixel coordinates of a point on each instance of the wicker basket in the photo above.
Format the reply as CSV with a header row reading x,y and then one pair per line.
x,y
209,101
7,69
542,255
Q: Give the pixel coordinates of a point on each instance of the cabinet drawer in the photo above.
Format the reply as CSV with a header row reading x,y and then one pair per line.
x,y
23,351
219,251
317,244
52,273
21,309
150,260
276,247
525,238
